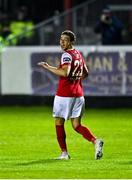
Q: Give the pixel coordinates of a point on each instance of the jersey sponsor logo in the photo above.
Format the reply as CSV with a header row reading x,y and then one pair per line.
x,y
66,59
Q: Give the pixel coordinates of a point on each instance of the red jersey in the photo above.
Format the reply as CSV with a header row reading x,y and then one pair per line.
x,y
71,86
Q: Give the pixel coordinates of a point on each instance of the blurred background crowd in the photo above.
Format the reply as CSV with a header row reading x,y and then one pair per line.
x,y
31,22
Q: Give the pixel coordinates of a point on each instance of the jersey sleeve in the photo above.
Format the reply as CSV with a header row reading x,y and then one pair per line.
x,y
66,58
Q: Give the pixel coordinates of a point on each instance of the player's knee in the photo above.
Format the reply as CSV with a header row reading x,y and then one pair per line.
x,y
75,127
75,123
59,121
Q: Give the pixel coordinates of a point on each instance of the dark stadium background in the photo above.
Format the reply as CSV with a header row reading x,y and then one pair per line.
x,y
41,10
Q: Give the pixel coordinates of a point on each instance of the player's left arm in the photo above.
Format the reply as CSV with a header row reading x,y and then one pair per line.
x,y
61,71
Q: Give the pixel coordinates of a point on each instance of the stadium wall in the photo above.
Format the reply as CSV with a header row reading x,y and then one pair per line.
x,y
24,83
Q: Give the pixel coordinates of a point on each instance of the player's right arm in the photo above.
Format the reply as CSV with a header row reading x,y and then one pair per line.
x,y
63,71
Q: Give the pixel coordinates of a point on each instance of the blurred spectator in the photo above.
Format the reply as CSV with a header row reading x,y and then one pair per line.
x,y
110,28
6,36
22,25
5,30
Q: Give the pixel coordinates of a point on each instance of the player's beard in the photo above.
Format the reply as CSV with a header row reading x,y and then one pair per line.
x,y
65,48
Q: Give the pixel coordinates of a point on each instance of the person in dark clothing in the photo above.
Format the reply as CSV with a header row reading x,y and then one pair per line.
x,y
110,28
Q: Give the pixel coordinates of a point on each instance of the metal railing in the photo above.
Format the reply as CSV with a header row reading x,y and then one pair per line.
x,y
76,19
80,19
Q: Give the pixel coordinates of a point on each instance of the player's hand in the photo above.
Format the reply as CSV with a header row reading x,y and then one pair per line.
x,y
43,64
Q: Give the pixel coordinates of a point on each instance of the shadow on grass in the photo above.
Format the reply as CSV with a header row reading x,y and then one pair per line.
x,y
126,162
41,161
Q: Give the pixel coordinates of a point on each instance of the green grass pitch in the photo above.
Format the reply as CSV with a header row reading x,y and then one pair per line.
x,y
28,145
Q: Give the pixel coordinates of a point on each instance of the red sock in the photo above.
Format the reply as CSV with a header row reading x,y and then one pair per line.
x,y
61,137
86,133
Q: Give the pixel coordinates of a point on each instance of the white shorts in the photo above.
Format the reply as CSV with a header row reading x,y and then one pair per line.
x,y
68,107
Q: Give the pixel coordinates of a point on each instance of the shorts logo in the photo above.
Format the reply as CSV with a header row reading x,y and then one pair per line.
x,y
66,59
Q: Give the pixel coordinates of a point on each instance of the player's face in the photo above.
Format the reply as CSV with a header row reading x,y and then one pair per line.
x,y
65,42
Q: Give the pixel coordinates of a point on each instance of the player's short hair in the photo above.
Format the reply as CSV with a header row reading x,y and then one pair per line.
x,y
70,34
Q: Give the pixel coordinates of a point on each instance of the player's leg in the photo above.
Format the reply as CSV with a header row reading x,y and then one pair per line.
x,y
81,129
77,113
61,137
87,134
60,133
